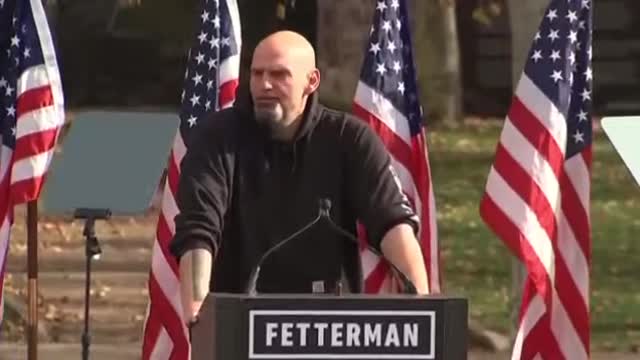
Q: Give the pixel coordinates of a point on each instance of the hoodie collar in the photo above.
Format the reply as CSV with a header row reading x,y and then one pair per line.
x,y
310,116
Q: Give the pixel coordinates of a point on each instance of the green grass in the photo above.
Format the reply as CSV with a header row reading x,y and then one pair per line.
x,y
477,265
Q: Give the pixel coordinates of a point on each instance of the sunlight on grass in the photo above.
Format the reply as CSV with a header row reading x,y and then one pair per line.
x,y
477,265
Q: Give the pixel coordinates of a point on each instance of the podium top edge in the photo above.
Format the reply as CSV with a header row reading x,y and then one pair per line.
x,y
343,296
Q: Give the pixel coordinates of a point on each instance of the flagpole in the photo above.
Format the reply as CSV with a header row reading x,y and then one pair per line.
x,y
32,276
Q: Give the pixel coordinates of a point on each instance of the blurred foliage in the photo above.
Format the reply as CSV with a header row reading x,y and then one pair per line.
x,y
487,10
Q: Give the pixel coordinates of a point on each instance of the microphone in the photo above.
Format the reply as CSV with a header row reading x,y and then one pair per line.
x,y
253,277
325,208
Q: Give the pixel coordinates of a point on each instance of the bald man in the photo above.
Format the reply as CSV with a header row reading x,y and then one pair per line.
x,y
253,175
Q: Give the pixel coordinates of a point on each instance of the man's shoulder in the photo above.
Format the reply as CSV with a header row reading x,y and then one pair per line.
x,y
348,123
222,120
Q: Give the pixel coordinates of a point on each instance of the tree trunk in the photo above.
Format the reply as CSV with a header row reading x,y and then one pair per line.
x,y
525,18
437,56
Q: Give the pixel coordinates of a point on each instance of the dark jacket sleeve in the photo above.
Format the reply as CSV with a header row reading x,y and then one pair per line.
x,y
202,196
374,188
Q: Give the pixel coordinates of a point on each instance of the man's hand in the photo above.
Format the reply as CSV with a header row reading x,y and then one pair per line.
x,y
401,247
195,274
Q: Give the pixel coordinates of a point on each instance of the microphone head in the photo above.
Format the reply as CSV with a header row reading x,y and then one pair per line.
x,y
325,205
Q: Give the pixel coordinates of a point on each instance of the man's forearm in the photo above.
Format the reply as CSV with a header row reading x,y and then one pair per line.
x,y
401,247
195,275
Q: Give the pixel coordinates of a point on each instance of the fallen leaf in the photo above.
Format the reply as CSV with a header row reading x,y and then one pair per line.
x,y
51,313
55,249
49,226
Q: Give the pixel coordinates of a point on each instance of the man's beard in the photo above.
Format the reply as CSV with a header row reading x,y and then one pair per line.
x,y
270,118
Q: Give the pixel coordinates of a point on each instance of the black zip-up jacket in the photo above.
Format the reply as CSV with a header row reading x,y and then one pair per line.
x,y
240,192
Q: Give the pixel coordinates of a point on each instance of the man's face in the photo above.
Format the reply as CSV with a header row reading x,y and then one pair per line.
x,y
278,86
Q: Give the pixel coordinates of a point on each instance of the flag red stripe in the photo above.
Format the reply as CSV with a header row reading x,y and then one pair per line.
x,y
500,223
521,183
173,174
6,214
572,300
422,179
151,330
376,278
34,99
172,320
35,144
587,155
537,134
540,339
524,185
5,194
418,169
576,215
27,189
395,144
164,237
228,92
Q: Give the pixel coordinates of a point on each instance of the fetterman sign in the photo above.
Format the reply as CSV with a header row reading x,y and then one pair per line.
x,y
327,334
328,327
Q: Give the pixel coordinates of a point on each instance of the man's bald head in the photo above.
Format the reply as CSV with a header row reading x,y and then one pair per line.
x,y
283,75
289,44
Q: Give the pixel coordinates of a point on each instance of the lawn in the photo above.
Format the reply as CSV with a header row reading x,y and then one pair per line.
x,y
477,264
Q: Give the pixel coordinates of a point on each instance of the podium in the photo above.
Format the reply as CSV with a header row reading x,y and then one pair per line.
x,y
324,326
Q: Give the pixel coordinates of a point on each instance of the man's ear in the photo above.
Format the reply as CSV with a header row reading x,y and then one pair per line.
x,y
314,81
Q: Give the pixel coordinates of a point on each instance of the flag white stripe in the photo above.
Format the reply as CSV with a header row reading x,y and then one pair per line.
x,y
31,167
574,258
166,279
380,107
179,149
4,238
577,171
234,15
4,246
369,262
229,69
533,313
48,53
521,215
32,78
544,110
43,119
566,336
406,181
164,346
5,161
533,162
169,208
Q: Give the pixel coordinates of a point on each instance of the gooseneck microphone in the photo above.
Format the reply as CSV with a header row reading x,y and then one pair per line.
x,y
253,278
324,206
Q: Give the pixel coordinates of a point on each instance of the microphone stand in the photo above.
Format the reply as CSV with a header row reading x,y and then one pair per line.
x,y
323,214
325,207
92,251
253,278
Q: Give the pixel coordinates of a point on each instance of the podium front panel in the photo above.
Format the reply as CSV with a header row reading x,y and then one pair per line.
x,y
331,327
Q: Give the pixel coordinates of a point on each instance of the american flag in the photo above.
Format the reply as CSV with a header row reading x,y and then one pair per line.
x,y
387,99
210,83
538,189
31,109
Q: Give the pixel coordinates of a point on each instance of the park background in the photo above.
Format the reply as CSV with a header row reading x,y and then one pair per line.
x,y
129,55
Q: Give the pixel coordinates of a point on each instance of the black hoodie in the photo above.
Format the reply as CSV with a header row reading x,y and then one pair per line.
x,y
240,192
